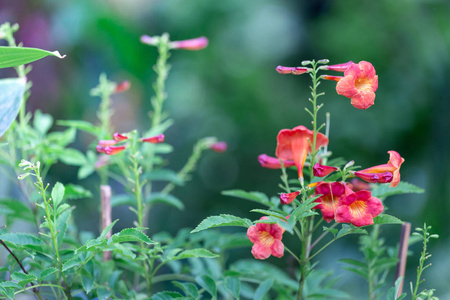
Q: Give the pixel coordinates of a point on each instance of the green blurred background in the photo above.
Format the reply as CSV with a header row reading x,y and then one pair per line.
x,y
231,90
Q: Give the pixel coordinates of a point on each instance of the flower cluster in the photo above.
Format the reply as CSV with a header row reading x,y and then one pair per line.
x,y
114,146
339,200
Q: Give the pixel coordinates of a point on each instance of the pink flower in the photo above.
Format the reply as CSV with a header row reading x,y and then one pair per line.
x,y
112,150
273,162
294,144
104,143
287,198
192,44
389,172
119,137
219,147
292,70
322,171
332,195
359,83
266,239
154,139
339,68
359,209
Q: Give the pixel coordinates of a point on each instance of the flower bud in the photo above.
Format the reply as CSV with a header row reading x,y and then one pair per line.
x,y
219,147
154,139
192,44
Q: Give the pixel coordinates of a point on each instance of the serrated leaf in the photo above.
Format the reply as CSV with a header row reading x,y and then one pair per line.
x,y
188,288
47,272
280,222
165,199
10,284
350,229
11,93
233,285
208,283
87,280
70,264
383,190
16,56
131,235
57,194
269,213
124,250
163,175
333,231
22,278
252,196
107,229
166,296
200,252
222,220
262,289
21,239
9,293
386,219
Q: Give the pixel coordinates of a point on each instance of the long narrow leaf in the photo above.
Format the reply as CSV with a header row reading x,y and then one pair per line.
x,y
16,56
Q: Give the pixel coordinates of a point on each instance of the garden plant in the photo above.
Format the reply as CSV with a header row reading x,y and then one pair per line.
x,y
321,199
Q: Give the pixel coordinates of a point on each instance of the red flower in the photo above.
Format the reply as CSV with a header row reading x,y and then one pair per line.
x,y
219,147
359,83
122,87
287,198
266,239
273,162
154,139
389,172
292,70
192,44
112,150
104,143
119,137
359,209
332,195
294,144
322,171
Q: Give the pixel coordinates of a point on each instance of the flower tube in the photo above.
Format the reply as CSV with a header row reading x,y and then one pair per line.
x,y
389,172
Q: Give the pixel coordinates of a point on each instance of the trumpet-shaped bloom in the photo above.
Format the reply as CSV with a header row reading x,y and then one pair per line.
x,y
110,150
332,195
359,82
339,68
322,171
266,239
295,144
154,139
292,70
271,162
119,137
359,209
389,172
192,44
287,198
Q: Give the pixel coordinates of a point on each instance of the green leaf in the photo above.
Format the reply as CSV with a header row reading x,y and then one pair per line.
x,y
222,220
11,93
361,273
263,288
123,199
269,213
199,252
10,284
131,235
70,264
57,194
208,283
252,196
15,209
275,220
81,125
87,280
42,122
16,56
333,231
72,157
386,219
21,239
47,272
22,278
107,229
354,262
73,191
348,229
383,190
163,175
103,294
188,288
165,199
233,285
166,296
